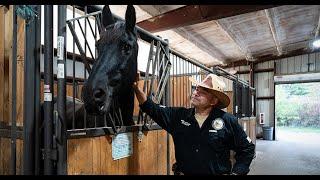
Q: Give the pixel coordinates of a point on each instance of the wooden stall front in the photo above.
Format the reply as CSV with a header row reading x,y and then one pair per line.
x,y
94,155
6,34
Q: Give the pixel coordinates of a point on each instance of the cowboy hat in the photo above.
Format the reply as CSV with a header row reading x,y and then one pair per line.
x,y
216,86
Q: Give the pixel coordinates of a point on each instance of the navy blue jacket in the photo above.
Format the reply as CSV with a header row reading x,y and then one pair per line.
x,y
203,150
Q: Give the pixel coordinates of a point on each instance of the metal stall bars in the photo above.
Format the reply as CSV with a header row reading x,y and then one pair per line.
x,y
48,152
31,107
88,61
158,62
144,35
199,69
60,118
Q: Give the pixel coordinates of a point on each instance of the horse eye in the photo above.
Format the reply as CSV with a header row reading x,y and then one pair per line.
x,y
113,82
126,47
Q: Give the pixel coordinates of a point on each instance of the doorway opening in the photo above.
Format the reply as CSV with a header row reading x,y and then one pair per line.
x,y
297,111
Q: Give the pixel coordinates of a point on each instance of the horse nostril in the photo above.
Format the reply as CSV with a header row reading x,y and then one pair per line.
x,y
99,94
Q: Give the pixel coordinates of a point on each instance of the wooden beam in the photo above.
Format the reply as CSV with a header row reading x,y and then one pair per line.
x,y
194,14
190,35
273,31
270,57
297,78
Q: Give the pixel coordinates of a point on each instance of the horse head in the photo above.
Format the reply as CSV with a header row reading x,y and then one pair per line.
x,y
109,85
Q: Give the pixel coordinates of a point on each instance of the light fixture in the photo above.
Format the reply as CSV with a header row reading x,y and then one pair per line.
x,y
316,43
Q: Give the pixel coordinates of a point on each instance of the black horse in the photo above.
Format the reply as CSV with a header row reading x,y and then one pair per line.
x,y
109,86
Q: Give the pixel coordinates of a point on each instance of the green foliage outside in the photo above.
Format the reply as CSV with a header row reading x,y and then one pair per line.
x,y
298,105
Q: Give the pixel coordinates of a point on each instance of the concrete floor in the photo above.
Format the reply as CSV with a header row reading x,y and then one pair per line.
x,y
291,154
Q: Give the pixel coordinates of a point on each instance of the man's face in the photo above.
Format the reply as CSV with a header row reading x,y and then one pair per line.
x,y
202,98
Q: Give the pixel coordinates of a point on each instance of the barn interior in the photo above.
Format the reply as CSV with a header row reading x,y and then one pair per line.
x,y
256,49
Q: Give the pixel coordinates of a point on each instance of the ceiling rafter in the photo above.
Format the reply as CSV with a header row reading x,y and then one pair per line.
x,y
194,14
200,42
237,42
273,31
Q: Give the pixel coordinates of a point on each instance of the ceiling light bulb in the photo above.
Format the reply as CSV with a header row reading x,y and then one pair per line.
x,y
316,43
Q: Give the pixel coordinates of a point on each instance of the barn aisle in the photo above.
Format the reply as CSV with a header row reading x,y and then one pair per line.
x,y
292,154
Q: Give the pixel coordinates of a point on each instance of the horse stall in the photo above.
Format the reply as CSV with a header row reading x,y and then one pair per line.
x,y
44,127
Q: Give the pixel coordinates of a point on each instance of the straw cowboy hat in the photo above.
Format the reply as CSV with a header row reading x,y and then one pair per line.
x,y
216,85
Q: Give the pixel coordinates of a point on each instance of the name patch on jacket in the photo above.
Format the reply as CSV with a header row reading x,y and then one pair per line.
x,y
185,123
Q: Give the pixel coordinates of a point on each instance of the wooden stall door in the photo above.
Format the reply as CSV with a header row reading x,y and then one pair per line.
x,y
94,156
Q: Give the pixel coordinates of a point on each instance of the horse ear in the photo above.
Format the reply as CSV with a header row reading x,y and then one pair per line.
x,y
107,18
130,18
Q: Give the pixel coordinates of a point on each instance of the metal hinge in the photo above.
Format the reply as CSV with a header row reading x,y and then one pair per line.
x,y
140,135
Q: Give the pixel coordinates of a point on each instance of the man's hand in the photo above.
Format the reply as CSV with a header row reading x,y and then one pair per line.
x,y
141,96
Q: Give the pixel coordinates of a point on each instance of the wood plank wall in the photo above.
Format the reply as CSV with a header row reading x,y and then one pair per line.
x,y
6,35
180,91
94,156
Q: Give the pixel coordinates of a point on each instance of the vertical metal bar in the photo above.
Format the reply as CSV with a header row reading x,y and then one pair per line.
x,y
252,85
14,88
274,106
29,95
95,35
179,78
234,89
154,68
98,21
176,81
172,79
188,84
48,89
183,83
95,57
150,57
73,74
38,120
61,101
192,70
167,101
75,38
85,53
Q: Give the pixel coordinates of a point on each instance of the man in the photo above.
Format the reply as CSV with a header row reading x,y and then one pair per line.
x,y
204,135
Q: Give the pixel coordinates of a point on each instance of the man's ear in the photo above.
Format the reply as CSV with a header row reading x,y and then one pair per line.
x,y
214,101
